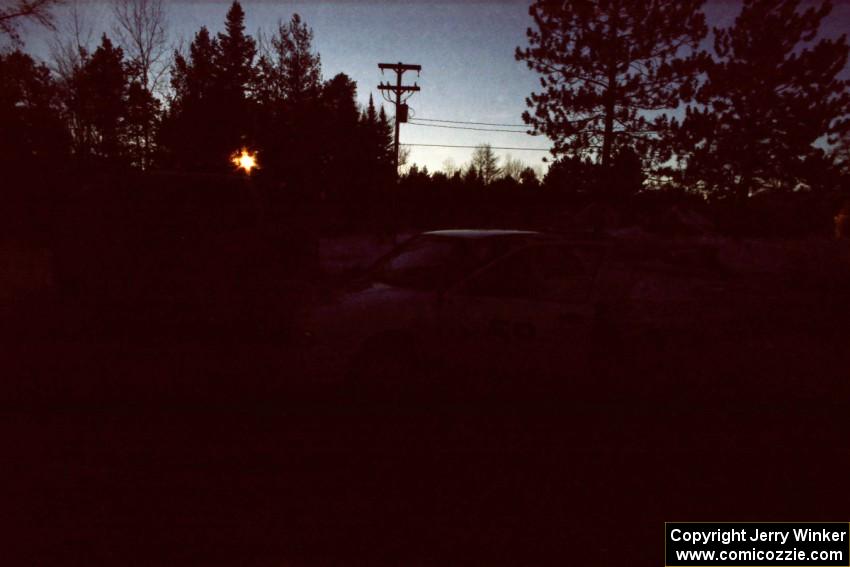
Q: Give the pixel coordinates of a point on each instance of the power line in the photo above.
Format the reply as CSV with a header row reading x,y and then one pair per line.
x,y
492,147
468,128
476,123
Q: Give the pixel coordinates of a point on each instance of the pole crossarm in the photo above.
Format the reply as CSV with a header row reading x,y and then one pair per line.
x,y
402,89
399,67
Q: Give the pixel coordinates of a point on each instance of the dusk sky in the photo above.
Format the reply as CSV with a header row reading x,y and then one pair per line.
x,y
466,50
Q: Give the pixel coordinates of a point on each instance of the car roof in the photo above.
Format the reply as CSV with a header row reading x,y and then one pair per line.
x,y
480,233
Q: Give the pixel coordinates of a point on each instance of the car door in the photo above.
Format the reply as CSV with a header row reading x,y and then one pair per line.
x,y
525,318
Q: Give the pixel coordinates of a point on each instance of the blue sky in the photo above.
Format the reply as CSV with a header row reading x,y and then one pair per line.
x,y
466,50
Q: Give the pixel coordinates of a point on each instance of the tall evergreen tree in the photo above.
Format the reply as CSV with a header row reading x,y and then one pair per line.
x,y
187,133
339,101
97,98
143,112
377,158
289,92
192,79
289,71
32,134
301,68
386,140
234,78
370,115
211,116
377,139
235,57
34,145
340,128
604,65
773,90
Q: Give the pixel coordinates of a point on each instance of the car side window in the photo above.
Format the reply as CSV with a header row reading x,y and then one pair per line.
x,y
512,277
559,262
555,273
565,274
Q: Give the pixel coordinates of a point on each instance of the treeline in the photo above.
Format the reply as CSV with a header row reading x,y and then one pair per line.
x,y
638,99
100,119
580,196
630,98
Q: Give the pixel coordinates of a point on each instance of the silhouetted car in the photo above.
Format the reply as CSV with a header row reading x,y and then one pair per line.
x,y
474,308
528,312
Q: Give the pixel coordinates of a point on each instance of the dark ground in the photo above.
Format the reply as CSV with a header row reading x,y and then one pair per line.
x,y
223,468
208,451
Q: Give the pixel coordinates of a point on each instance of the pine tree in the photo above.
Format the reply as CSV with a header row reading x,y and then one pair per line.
x,y
340,129
769,95
97,99
211,116
143,111
34,147
375,160
235,56
289,71
33,135
373,141
234,78
339,101
188,132
295,134
471,179
604,64
193,80
386,140
572,175
370,116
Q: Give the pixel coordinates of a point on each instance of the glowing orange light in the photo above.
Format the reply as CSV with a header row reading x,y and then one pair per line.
x,y
245,161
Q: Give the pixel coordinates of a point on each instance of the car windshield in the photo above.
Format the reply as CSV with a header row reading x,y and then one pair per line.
x,y
435,262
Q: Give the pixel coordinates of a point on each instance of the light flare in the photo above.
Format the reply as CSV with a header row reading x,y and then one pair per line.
x,y
245,160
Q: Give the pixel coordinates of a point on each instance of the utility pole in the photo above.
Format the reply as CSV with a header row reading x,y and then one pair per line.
x,y
398,89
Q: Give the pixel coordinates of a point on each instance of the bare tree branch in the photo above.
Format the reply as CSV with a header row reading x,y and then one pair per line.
x,y
141,32
20,11
71,41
